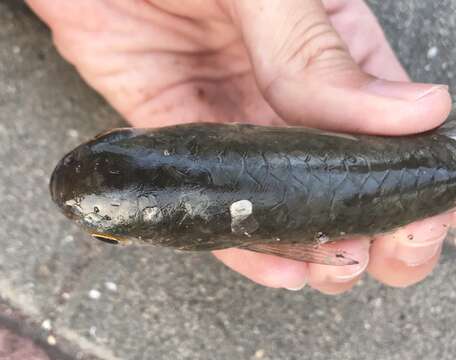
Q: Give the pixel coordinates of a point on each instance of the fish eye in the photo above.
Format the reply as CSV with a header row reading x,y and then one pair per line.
x,y
106,239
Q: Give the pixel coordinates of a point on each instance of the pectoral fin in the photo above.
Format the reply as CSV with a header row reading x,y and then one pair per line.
x,y
305,252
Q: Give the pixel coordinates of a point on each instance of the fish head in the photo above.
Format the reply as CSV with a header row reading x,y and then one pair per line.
x,y
91,186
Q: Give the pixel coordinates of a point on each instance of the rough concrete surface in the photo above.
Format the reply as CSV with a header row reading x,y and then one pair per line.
x,y
94,301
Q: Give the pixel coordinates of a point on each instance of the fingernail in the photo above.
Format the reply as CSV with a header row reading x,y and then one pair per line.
x,y
432,91
403,90
297,288
419,253
348,273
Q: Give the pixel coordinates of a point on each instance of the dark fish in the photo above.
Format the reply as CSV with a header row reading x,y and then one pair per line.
x,y
276,190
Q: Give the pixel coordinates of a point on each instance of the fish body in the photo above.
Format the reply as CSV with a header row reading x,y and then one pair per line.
x,y
209,186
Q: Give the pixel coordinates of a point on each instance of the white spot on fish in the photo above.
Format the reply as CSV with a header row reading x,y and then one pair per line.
x,y
93,218
241,209
242,221
321,238
188,208
152,214
196,205
73,203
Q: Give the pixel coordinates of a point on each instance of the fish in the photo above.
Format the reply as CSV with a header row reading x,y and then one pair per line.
x,y
285,191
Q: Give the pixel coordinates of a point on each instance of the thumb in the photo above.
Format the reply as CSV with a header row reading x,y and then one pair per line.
x,y
306,73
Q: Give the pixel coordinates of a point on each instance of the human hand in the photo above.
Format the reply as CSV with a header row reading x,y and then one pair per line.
x,y
270,62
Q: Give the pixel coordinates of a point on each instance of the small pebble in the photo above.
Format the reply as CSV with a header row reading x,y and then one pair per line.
x,y
11,89
94,294
432,52
51,340
72,133
93,331
378,302
46,325
68,239
111,286
259,354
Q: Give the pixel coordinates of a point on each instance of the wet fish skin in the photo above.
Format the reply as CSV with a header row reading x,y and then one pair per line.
x,y
177,186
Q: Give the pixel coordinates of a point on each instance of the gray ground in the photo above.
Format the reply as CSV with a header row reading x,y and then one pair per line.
x,y
92,301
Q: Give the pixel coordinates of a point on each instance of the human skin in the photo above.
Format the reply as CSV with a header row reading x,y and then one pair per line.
x,y
270,62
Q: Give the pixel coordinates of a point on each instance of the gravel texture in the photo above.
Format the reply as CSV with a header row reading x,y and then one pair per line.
x,y
94,301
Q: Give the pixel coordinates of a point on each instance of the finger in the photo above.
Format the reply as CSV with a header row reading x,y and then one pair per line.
x,y
307,74
409,254
396,273
366,41
267,270
337,279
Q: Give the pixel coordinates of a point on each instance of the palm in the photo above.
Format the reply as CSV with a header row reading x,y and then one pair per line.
x,y
178,70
